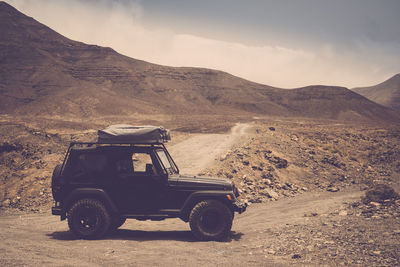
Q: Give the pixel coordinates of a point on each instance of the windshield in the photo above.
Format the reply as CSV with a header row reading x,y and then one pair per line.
x,y
165,160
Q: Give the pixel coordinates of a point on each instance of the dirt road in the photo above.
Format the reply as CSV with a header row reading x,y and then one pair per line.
x,y
39,239
199,151
42,240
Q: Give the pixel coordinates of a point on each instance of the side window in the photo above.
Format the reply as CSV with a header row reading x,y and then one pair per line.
x,y
124,166
135,164
142,163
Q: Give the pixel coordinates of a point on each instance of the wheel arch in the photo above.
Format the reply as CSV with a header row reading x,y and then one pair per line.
x,y
82,193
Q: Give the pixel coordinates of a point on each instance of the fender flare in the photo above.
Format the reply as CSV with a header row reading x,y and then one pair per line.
x,y
81,193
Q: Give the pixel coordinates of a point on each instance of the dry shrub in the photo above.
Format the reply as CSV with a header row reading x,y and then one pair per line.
x,y
380,193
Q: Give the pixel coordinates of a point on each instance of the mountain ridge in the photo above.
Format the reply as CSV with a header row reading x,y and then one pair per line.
x,y
386,93
43,72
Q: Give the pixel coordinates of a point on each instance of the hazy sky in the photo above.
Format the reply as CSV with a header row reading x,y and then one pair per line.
x,y
280,43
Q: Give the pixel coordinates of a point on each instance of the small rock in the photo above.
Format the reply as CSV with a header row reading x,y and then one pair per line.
x,y
332,189
376,252
271,128
271,193
396,232
270,251
311,214
296,256
6,202
266,176
343,213
376,204
255,200
267,181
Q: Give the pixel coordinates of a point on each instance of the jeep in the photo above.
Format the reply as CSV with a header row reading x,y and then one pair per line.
x,y
101,184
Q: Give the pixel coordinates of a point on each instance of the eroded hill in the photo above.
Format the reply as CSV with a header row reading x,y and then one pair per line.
x,y
44,73
386,93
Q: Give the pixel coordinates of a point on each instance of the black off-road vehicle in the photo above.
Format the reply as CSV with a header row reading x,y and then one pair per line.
x,y
129,174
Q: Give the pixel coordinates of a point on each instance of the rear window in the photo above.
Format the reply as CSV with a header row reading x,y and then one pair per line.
x,y
93,162
86,166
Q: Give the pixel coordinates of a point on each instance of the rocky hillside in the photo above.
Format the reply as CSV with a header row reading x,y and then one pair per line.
x,y
44,73
386,93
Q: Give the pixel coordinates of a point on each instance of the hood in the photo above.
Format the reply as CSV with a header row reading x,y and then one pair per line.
x,y
201,182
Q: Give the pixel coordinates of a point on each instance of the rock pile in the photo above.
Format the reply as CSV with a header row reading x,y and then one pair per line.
x,y
380,193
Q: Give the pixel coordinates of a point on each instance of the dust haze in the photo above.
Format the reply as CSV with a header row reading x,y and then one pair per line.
x,y
120,25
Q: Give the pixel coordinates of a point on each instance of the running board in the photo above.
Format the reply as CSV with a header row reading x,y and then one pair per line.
x,y
161,215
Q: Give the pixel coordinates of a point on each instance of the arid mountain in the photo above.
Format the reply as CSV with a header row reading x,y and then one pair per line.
x,y
386,93
44,73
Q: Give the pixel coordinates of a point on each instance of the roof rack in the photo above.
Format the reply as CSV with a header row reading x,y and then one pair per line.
x,y
105,144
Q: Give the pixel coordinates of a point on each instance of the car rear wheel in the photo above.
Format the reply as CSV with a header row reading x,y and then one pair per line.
x,y
210,220
88,219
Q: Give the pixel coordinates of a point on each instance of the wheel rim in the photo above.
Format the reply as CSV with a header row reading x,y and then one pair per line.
x,y
211,221
86,220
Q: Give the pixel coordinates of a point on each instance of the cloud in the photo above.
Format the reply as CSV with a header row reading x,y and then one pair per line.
x,y
119,24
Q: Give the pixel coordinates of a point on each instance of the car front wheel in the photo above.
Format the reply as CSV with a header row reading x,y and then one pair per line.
x,y
210,220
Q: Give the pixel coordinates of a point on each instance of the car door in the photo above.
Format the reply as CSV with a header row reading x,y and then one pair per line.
x,y
138,186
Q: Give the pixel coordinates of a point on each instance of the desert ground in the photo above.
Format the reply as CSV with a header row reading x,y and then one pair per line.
x,y
305,182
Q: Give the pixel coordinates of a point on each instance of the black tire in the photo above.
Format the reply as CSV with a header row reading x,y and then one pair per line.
x,y
88,219
210,220
116,222
55,182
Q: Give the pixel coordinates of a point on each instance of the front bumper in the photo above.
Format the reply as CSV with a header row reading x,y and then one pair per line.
x,y
239,206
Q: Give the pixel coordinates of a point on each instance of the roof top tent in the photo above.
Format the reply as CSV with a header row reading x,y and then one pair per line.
x,y
129,134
